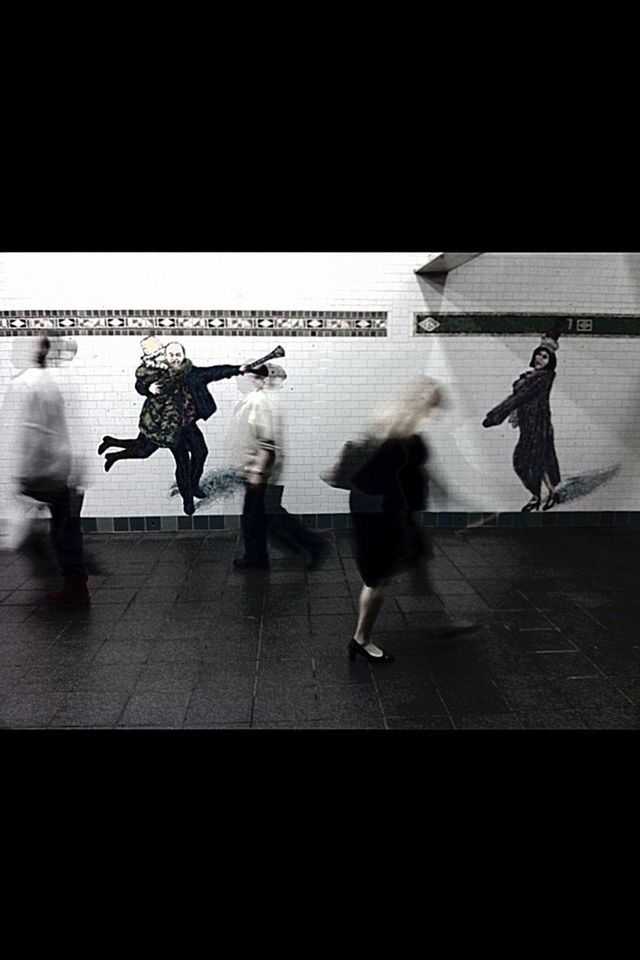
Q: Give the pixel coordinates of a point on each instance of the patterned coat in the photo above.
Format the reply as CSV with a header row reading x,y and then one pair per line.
x,y
162,414
535,454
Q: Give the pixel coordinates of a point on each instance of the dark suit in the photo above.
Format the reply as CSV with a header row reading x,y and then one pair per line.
x,y
189,448
193,402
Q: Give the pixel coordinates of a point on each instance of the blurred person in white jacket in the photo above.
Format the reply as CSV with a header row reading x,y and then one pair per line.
x,y
43,464
255,443
281,524
258,439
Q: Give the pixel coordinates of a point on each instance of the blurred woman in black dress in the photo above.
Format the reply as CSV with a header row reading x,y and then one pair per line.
x,y
385,494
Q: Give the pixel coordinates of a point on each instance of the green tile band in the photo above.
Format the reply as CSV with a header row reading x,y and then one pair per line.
x,y
342,521
525,324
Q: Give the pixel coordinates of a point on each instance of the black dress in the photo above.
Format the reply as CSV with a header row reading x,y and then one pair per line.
x,y
535,454
385,493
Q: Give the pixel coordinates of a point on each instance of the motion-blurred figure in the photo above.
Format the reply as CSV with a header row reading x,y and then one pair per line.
x,y
255,455
281,523
388,481
43,469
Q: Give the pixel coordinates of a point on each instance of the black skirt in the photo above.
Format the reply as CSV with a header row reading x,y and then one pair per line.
x,y
387,543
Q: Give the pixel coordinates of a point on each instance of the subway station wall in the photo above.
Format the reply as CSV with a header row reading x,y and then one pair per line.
x,y
364,342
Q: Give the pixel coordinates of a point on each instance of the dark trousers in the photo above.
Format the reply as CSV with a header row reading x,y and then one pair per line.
x,y
192,439
189,452
65,526
263,511
285,526
254,523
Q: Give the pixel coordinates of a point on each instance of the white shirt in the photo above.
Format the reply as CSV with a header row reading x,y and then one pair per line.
x,y
254,434
40,436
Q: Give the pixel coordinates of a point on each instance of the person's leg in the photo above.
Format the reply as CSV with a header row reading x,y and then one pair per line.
x,y
199,451
528,474
254,526
552,480
66,538
183,475
138,449
423,586
67,534
369,605
115,442
289,529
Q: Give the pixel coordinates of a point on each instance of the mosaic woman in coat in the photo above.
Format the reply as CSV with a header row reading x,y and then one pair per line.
x,y
528,409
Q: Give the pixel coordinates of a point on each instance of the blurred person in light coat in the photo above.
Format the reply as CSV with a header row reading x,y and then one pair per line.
x,y
44,472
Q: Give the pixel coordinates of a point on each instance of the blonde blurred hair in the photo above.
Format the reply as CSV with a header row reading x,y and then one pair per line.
x,y
402,415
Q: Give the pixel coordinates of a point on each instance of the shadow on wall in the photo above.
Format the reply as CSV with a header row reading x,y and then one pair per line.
x,y
630,434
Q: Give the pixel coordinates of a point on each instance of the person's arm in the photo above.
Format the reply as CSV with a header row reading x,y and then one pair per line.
x,y
220,372
535,387
144,380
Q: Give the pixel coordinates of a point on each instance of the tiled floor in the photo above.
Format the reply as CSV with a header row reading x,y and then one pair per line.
x,y
176,638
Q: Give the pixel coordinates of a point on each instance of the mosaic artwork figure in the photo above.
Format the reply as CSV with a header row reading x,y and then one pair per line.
x,y
176,397
528,409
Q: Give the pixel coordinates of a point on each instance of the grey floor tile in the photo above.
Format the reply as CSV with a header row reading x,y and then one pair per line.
x,y
287,647
220,703
348,701
495,721
531,693
342,670
293,701
283,672
285,607
590,692
332,606
124,652
319,591
613,719
464,697
574,663
280,627
85,709
410,699
346,723
103,677
562,664
440,722
552,720
10,615
30,710
156,709
23,598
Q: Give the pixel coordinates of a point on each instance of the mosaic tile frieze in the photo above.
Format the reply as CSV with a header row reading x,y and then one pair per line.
x,y
524,324
322,323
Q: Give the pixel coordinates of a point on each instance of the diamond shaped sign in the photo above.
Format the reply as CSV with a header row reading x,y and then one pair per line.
x,y
429,324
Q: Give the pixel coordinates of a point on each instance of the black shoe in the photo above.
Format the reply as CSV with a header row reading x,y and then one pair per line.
x,y
243,564
532,505
199,493
551,501
188,506
105,445
109,460
357,649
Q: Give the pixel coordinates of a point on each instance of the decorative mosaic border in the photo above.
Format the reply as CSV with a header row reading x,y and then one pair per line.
x,y
342,521
310,323
524,324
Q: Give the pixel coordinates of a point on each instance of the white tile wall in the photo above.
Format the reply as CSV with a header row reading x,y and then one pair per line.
x,y
334,383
